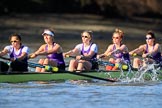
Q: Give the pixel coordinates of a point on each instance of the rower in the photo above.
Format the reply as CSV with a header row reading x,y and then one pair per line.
x,y
117,50
52,51
150,51
17,53
86,53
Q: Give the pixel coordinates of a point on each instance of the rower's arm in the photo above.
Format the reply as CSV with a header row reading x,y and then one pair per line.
x,y
137,50
156,49
3,52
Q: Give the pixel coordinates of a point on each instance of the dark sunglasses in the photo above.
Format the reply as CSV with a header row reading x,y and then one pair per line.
x,y
13,41
85,36
149,38
115,37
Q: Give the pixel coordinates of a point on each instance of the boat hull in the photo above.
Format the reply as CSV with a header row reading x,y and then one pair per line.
x,y
58,76
45,76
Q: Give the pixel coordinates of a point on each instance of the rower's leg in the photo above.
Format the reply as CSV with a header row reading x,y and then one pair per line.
x,y
72,65
38,69
136,63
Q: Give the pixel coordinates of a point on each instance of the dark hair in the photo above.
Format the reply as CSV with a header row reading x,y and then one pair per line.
x,y
151,33
15,35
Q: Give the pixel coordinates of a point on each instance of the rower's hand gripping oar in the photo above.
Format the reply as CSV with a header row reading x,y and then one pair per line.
x,y
69,56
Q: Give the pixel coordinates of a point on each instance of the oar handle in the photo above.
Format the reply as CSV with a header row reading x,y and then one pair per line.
x,y
52,69
148,56
118,65
47,67
69,56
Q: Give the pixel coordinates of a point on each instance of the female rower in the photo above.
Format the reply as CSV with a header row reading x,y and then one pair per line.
x,y
151,51
52,51
86,54
18,54
118,50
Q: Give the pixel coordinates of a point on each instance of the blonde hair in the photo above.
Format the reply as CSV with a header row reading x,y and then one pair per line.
x,y
120,32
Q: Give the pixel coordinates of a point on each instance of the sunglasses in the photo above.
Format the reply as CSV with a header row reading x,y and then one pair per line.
x,y
115,37
147,38
85,36
14,41
46,34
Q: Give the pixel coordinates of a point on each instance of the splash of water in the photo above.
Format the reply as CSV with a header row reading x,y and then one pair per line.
x,y
149,72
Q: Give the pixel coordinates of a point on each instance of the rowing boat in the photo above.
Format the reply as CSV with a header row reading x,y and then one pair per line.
x,y
48,76
57,75
62,76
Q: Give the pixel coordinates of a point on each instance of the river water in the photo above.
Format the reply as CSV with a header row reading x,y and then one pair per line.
x,y
86,95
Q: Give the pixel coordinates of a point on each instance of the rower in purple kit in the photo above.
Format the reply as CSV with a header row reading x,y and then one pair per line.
x,y
150,51
18,54
86,53
117,51
52,50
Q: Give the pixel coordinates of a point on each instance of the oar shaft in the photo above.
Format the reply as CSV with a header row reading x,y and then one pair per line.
x,y
5,58
90,76
48,68
105,63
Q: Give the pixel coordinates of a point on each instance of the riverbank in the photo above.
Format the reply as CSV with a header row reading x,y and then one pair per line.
x,y
69,26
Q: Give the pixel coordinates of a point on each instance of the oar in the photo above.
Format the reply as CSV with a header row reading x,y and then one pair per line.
x,y
47,67
55,69
100,62
104,63
90,76
30,64
4,58
70,56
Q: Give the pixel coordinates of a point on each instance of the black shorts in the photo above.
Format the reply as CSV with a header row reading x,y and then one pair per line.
x,y
3,66
61,66
19,66
94,65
